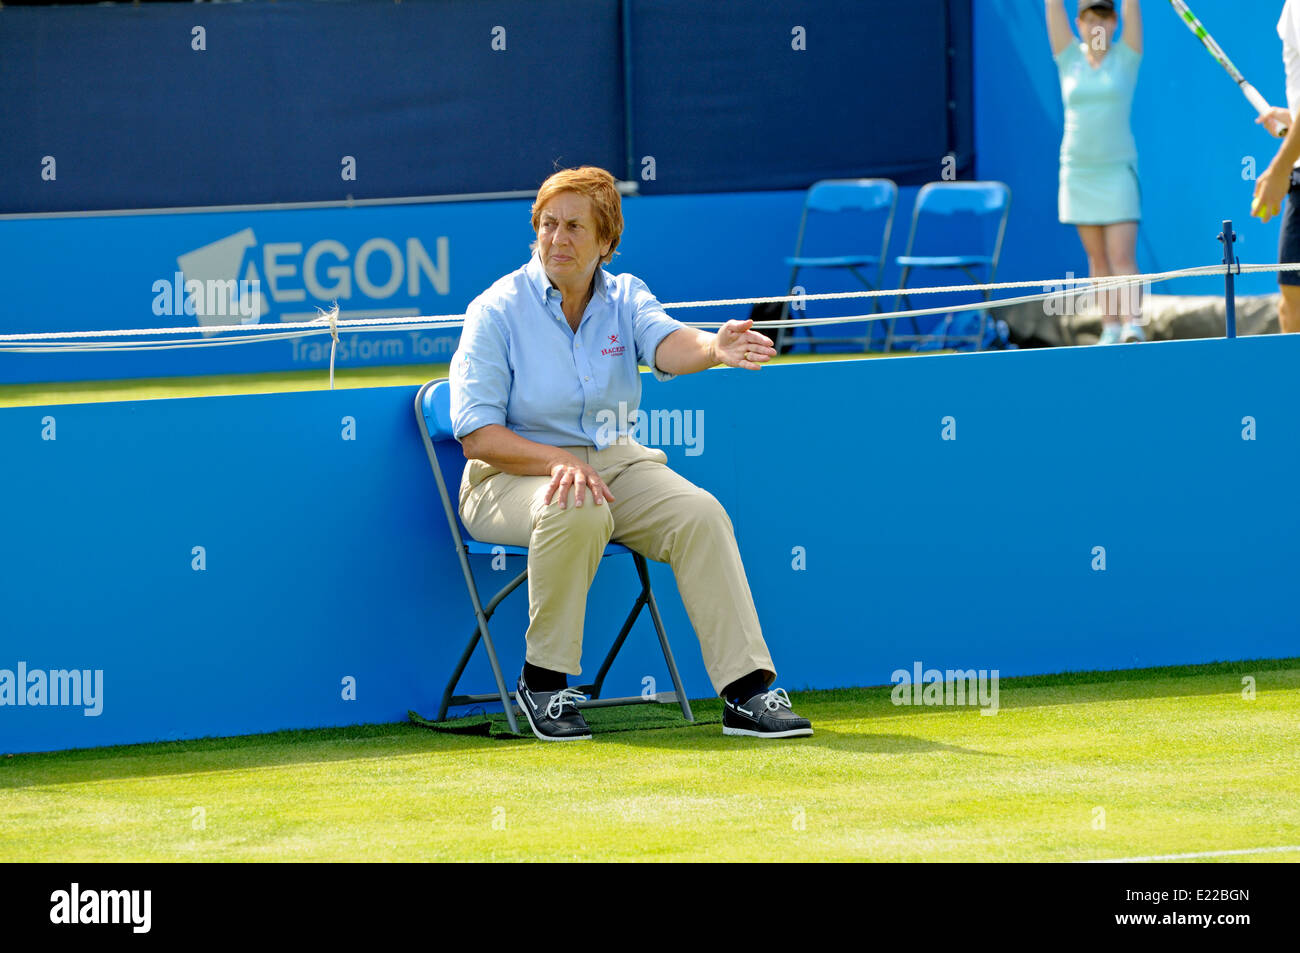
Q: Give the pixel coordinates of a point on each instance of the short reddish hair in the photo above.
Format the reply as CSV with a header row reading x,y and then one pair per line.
x,y
606,204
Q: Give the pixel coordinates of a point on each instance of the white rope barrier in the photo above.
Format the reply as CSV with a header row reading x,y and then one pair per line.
x,y
1057,284
316,326
330,323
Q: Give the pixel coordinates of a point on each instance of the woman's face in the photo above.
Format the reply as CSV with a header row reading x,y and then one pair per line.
x,y
1097,30
567,239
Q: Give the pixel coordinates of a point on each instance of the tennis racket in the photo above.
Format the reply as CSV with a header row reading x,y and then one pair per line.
x,y
1250,92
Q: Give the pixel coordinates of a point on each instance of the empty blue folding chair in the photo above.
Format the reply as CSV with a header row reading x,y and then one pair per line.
x,y
843,215
433,413
956,226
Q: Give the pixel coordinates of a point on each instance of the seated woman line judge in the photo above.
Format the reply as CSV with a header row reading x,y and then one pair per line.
x,y
547,353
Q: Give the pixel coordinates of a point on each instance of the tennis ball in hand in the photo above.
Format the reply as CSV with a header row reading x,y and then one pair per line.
x,y
1260,210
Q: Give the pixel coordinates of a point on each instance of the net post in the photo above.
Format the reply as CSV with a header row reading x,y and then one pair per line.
x,y
1229,277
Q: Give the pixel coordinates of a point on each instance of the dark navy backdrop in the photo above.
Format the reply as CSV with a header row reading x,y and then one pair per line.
x,y
415,92
721,99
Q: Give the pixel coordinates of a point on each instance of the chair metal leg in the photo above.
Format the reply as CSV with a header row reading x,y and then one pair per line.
x,y
647,599
501,682
663,637
449,692
940,331
899,299
902,283
481,631
789,337
594,688
943,336
866,341
482,614
786,335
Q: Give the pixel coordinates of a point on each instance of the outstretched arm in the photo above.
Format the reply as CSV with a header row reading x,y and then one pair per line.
x,y
1133,25
1059,33
689,349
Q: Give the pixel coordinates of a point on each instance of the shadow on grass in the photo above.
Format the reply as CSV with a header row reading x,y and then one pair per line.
x,y
307,747
824,708
848,742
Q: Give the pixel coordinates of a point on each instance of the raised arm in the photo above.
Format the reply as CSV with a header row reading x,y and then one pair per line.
x,y
1133,25
1059,33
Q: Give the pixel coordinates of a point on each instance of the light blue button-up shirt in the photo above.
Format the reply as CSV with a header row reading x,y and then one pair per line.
x,y
520,365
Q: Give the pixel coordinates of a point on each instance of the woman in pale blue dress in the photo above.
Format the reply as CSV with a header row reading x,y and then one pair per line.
x,y
1099,191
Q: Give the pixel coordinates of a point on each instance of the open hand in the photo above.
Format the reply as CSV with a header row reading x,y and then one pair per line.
x,y
737,346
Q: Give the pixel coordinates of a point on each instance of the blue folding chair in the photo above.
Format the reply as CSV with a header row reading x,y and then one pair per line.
x,y
971,220
834,206
433,414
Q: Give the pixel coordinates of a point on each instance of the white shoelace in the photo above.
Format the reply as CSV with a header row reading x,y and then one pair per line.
x,y
565,696
776,699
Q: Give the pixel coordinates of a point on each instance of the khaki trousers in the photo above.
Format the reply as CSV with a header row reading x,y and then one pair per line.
x,y
657,513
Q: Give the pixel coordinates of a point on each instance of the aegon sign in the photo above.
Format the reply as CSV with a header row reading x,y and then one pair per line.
x,y
328,271
326,274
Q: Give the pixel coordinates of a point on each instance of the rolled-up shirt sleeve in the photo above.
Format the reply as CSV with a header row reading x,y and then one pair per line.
x,y
651,324
480,374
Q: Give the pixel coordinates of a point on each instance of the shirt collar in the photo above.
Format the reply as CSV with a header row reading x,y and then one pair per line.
x,y
542,284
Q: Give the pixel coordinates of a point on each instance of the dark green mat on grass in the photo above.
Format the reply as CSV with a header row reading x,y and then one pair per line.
x,y
603,721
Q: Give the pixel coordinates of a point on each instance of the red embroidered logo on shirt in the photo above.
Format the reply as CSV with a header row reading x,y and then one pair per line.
x,y
615,349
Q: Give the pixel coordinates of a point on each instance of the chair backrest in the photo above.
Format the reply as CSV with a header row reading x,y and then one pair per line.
x,y
838,195
434,406
966,218
863,211
433,414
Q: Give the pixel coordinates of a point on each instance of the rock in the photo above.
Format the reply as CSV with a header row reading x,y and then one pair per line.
x,y
1165,318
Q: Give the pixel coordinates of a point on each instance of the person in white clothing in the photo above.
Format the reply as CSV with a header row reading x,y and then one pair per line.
x,y
1282,178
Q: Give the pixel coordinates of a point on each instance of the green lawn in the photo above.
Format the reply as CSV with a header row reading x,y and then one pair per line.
x,y
1178,760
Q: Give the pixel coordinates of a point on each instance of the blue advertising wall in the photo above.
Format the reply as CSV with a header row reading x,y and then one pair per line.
x,y
229,563
1198,145
130,272
98,273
